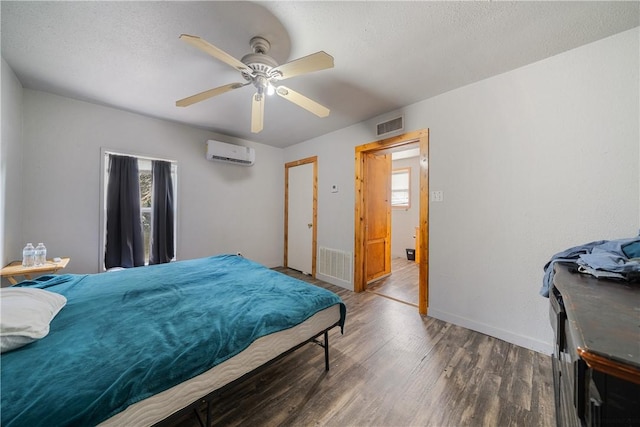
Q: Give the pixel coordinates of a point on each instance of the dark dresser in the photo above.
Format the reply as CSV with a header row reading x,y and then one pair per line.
x,y
596,358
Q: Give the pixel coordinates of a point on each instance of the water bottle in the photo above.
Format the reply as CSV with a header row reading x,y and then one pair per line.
x,y
28,255
41,255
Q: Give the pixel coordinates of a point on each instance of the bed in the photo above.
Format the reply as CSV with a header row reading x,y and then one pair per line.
x,y
137,346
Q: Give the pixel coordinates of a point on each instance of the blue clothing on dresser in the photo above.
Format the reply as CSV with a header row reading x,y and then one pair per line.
x,y
610,256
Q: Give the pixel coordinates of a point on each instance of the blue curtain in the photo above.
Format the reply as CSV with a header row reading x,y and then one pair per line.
x,y
124,244
162,229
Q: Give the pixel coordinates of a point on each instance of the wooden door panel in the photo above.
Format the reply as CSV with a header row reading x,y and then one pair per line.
x,y
376,259
377,216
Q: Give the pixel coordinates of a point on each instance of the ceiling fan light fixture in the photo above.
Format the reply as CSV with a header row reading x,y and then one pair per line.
x,y
262,84
270,89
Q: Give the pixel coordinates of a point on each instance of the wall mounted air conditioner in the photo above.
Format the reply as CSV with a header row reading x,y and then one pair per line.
x,y
230,153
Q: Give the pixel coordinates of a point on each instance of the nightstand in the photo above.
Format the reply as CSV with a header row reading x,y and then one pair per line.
x,y
16,269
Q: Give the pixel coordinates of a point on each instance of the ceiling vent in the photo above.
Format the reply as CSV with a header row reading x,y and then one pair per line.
x,y
390,126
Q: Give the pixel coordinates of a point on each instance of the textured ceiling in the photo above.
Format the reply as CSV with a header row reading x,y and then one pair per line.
x,y
387,54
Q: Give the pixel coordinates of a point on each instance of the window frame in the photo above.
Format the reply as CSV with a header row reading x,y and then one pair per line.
x,y
104,170
398,171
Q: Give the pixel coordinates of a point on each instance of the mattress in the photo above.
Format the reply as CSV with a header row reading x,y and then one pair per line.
x,y
129,336
160,406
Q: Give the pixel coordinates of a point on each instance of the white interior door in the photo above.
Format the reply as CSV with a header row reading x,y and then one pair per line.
x,y
300,218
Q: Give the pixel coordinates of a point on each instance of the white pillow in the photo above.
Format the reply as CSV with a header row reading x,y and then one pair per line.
x,y
25,314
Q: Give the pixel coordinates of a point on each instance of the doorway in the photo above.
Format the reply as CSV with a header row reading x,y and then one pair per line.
x,y
363,209
300,215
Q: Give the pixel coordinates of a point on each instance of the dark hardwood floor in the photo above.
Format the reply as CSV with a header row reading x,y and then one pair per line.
x,y
401,285
393,367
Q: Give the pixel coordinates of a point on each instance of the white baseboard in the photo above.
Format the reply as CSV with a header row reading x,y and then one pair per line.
x,y
334,281
519,340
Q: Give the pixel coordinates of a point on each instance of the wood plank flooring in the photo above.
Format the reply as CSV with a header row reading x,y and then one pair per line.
x,y
393,367
402,284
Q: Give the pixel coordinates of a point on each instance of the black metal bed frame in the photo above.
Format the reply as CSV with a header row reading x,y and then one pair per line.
x,y
171,419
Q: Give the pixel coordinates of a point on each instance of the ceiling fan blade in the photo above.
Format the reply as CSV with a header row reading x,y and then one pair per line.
x,y
208,94
257,113
314,62
216,52
302,101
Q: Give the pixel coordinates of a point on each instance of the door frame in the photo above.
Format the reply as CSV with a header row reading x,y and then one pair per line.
x,y
422,138
314,240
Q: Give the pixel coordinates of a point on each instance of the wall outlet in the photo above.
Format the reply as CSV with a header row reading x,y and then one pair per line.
x,y
437,196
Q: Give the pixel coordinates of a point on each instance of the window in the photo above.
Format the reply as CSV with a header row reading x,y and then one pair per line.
x,y
146,191
401,188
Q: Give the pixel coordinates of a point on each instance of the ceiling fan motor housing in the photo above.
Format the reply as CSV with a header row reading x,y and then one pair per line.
x,y
259,44
261,64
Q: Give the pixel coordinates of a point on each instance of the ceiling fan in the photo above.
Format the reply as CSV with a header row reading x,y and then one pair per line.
x,y
264,73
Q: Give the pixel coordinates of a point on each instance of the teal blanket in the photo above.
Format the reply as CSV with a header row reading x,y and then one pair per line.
x,y
127,335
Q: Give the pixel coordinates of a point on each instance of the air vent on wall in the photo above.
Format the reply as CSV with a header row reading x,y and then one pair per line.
x,y
390,126
335,263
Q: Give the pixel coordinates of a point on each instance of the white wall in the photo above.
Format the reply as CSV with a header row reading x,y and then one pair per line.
x,y
531,162
404,221
222,208
10,168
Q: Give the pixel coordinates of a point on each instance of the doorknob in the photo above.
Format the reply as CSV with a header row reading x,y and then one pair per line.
x,y
309,225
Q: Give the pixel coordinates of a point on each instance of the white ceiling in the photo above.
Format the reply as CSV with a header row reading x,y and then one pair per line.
x,y
387,54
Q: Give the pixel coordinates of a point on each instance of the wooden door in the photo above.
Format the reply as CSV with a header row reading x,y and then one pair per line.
x,y
377,216
300,226
301,214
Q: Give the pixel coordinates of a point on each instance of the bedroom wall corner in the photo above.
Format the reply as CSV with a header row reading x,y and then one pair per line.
x,y
222,208
531,162
545,160
11,172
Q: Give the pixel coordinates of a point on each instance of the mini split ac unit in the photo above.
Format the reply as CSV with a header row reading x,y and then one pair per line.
x,y
230,153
